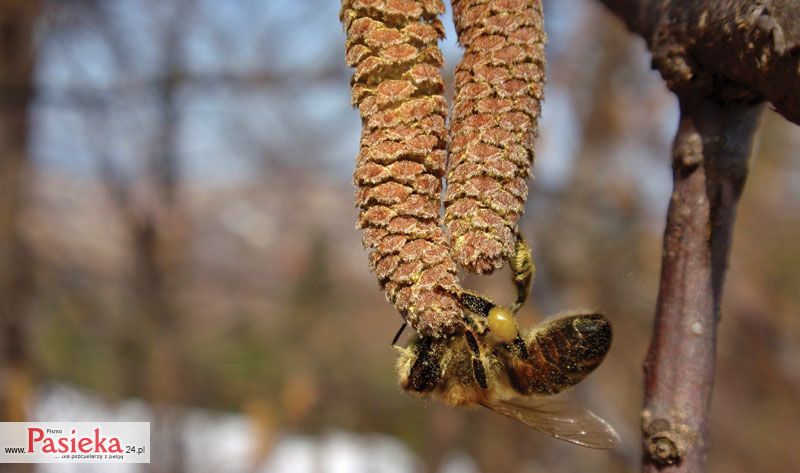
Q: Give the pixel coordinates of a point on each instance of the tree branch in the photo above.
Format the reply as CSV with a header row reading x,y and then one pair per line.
x,y
709,170
722,59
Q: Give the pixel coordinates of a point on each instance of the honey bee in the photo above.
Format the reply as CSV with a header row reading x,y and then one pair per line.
x,y
491,364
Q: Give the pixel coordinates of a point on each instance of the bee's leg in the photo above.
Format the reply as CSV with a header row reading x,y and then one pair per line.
x,y
425,373
522,271
399,332
475,303
478,370
477,365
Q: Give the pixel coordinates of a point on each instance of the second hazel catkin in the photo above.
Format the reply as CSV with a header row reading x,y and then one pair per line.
x,y
498,93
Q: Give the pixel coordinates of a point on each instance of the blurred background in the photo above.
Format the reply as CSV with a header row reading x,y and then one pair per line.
x,y
177,245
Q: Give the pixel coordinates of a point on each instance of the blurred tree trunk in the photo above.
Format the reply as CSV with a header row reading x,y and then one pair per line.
x,y
159,246
723,60
157,227
159,240
17,57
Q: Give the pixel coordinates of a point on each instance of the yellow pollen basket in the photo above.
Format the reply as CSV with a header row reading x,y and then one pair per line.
x,y
502,324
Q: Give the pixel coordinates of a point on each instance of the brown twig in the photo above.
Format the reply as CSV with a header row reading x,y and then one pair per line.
x,y
709,170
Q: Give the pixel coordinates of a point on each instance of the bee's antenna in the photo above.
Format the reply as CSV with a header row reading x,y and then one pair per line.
x,y
399,332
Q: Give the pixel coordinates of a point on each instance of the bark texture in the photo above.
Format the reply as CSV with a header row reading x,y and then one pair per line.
x,y
397,86
732,51
499,89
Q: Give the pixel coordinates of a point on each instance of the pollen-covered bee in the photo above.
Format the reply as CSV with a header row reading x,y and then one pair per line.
x,y
491,364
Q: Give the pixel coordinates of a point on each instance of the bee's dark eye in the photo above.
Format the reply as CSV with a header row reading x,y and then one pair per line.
x,y
425,373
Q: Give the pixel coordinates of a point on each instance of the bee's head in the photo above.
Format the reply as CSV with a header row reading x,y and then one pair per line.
x,y
420,365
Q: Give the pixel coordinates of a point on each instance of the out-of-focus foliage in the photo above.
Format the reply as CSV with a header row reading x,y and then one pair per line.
x,y
191,219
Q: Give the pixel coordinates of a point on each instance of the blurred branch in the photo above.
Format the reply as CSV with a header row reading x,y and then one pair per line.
x,y
638,15
95,96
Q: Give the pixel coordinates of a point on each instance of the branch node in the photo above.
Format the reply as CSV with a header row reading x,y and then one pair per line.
x,y
687,151
665,444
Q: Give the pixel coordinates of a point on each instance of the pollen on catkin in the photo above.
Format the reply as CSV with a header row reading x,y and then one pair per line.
x,y
499,89
398,89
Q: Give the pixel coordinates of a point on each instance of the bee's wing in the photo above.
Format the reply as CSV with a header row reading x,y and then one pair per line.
x,y
560,419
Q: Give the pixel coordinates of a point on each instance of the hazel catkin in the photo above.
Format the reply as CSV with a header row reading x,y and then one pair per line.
x,y
398,89
499,88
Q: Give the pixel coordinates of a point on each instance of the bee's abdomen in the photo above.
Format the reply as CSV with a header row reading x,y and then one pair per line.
x,y
499,87
398,89
561,354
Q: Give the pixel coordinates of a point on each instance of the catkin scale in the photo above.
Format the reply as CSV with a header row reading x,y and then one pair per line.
x,y
499,88
398,89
